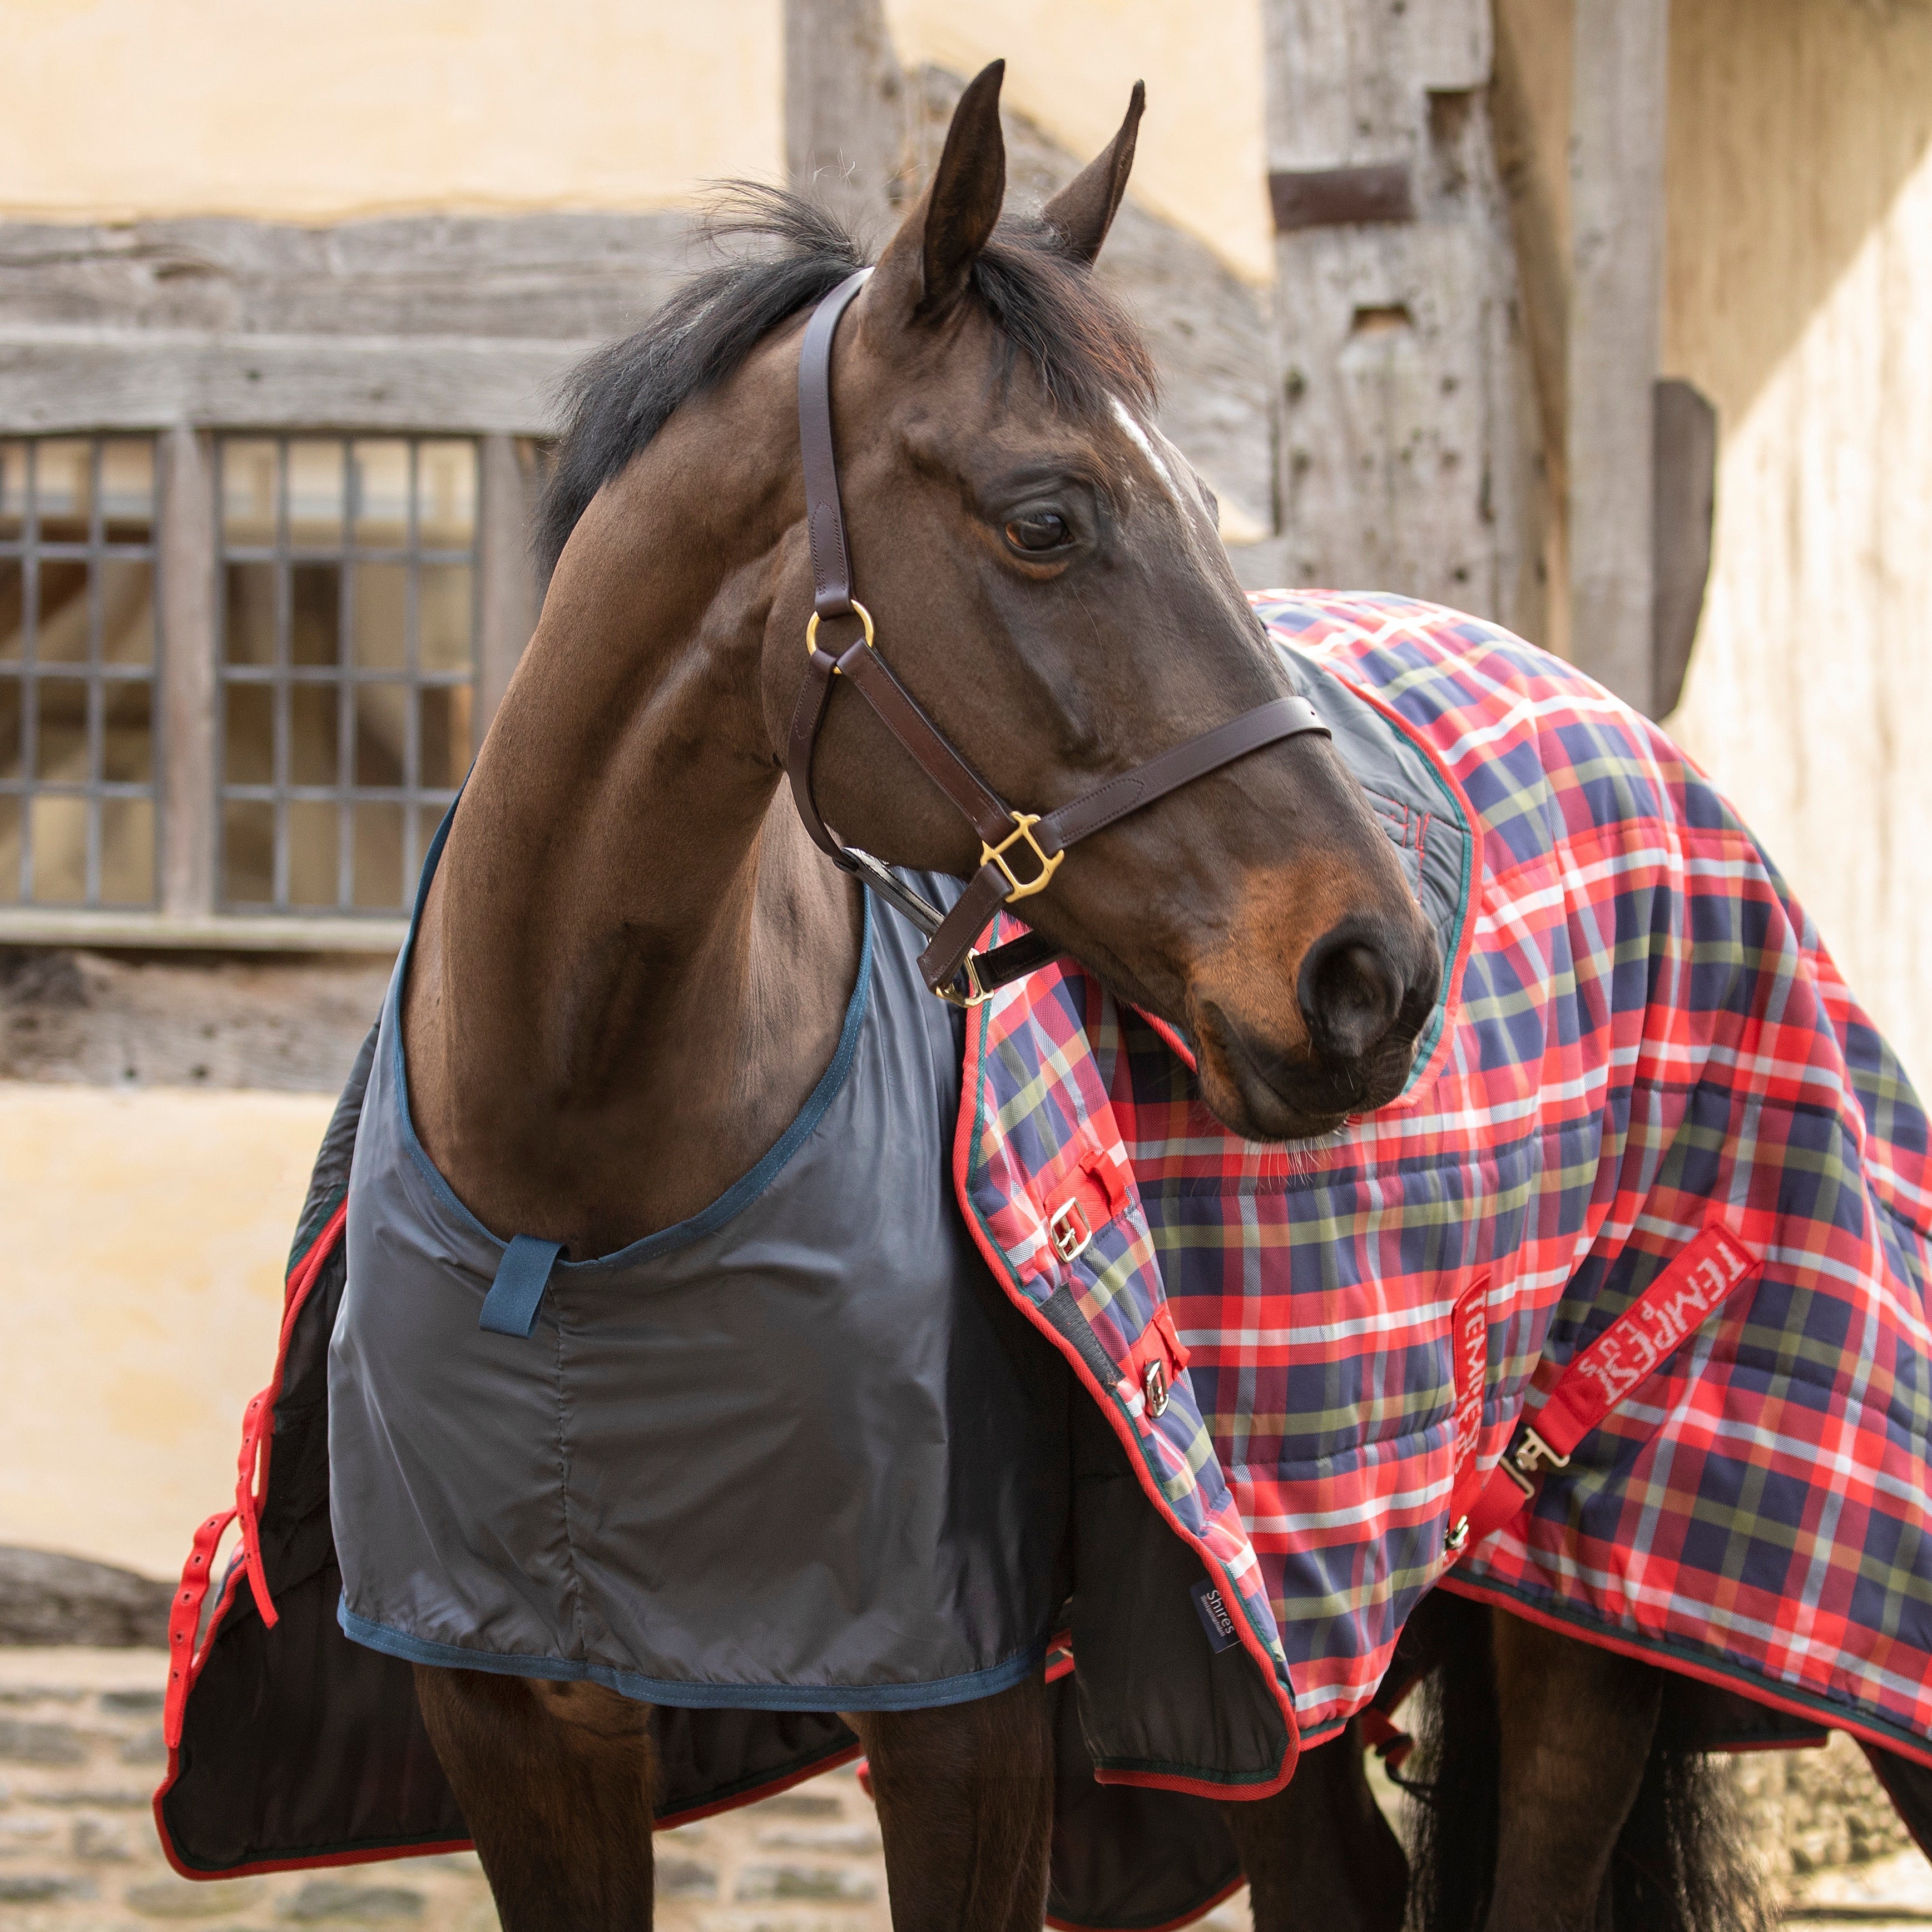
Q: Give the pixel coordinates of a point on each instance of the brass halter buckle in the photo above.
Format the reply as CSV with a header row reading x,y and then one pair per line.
x,y
858,610
975,994
1018,888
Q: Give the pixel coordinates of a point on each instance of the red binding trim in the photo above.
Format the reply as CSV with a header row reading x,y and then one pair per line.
x,y
1377,1731
185,1663
1123,1428
1917,1751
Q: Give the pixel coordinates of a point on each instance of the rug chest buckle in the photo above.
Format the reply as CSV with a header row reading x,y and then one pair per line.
x,y
1527,1459
1070,1230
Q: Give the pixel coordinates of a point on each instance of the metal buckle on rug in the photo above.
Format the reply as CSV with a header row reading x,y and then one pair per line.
x,y
1154,1386
1528,1456
1070,1230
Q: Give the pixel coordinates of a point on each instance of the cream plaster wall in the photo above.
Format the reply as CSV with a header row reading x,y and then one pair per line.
x,y
143,1236
1202,158
1800,301
316,110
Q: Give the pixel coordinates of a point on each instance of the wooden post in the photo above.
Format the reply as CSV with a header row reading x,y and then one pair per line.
x,y
845,109
187,555
1618,78
1407,446
506,585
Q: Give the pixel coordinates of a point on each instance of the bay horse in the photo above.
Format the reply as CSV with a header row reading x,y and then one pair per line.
x,y
631,967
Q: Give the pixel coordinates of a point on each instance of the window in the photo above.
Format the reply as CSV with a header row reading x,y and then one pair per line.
x,y
347,664
78,650
243,671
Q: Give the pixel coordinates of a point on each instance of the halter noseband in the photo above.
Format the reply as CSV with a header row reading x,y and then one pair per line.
x,y
949,964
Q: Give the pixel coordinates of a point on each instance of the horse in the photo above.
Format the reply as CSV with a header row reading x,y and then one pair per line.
x,y
632,964
638,967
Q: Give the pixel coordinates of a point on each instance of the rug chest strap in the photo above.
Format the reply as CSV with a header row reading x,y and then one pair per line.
x,y
1613,1367
510,1308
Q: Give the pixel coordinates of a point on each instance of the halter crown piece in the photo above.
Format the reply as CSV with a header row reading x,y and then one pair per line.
x,y
1019,851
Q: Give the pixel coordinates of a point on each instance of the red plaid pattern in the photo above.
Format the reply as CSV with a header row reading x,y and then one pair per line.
x,y
1641,1034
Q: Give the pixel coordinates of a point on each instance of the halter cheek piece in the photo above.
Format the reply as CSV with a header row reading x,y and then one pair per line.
x,y
1019,851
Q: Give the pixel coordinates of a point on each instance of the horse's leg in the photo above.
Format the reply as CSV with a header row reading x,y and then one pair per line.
x,y
555,1783
1576,1726
1320,1855
965,1801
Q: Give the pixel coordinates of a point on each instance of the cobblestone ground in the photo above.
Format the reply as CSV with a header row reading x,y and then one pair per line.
x,y
80,1753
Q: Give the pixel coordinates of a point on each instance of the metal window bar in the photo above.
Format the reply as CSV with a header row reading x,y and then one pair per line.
x,y
418,804
29,677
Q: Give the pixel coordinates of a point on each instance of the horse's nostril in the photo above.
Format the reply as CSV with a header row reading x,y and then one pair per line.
x,y
1351,993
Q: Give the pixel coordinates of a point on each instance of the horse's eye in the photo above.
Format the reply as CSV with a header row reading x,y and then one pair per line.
x,y
1046,529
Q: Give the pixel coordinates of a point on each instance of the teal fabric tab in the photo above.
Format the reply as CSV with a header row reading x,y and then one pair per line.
x,y
510,1308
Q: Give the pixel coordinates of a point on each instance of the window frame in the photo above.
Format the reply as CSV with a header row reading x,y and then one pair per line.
x,y
93,552
187,684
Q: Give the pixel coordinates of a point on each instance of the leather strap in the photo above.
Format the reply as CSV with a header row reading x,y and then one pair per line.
x,y
1267,724
900,712
825,522
948,964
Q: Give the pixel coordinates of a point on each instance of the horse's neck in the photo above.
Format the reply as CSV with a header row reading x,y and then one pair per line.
x,y
633,966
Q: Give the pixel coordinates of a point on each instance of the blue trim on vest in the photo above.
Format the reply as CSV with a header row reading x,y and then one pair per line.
x,y
510,1308
964,1690
733,1200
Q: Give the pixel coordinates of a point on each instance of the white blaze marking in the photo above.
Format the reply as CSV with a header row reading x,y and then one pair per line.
x,y
1145,444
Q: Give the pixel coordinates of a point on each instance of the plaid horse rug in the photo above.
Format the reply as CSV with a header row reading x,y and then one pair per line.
x,y
1641,1037
1655,1184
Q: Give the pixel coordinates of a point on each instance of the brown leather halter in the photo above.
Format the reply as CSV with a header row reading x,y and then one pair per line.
x,y
949,964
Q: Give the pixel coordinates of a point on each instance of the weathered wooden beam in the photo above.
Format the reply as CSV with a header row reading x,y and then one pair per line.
x,y
845,108
1684,505
507,575
186,681
1403,465
535,278
214,932
1620,55
57,380
1330,197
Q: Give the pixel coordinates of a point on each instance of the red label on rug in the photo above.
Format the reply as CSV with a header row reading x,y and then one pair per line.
x,y
1469,1340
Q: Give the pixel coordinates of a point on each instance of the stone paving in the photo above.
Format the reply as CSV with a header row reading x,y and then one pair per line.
x,y
81,1751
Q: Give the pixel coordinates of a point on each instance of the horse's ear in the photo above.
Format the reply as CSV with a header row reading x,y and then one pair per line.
x,y
930,258
1083,210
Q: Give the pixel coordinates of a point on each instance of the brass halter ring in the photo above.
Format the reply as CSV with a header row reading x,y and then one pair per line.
x,y
812,627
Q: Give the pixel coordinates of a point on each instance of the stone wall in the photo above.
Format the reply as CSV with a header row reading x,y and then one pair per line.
x,y
81,1753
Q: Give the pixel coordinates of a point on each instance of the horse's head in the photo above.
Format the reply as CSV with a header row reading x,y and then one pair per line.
x,y
1046,577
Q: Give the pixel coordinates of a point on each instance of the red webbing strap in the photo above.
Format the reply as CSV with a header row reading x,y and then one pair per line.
x,y
184,1619
1375,1730
1647,1333
251,1484
1469,1341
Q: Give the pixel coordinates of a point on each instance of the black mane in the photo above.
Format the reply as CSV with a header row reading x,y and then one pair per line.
x,y
1047,306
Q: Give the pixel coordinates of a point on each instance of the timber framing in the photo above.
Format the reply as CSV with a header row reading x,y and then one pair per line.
x,y
57,381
